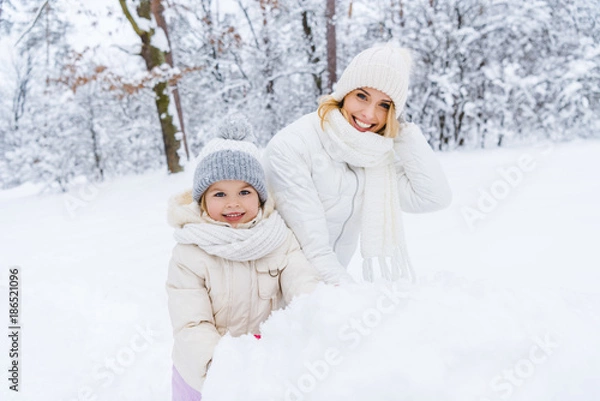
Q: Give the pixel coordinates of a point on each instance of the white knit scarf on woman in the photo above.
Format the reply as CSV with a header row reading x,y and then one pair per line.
x,y
237,244
382,235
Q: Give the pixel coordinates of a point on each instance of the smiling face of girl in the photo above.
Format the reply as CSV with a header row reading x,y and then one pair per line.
x,y
232,201
366,109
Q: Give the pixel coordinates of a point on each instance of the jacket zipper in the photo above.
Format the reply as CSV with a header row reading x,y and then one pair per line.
x,y
351,210
229,281
253,276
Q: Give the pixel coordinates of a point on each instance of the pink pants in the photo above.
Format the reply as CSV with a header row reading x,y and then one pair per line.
x,y
181,391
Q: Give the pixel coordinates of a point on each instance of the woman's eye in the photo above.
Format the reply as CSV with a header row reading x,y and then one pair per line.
x,y
361,96
385,106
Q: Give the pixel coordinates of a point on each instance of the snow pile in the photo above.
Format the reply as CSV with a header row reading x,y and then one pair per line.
x,y
96,327
444,339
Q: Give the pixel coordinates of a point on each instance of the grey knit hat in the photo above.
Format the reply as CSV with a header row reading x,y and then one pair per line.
x,y
231,156
383,67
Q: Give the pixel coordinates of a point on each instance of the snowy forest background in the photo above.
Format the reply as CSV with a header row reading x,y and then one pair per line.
x,y
80,80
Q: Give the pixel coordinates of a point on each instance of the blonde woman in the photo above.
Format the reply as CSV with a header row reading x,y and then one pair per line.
x,y
350,169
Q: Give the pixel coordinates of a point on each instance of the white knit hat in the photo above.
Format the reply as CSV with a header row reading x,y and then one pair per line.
x,y
231,156
384,67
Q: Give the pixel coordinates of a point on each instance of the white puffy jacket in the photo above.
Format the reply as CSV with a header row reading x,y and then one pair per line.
x,y
321,199
209,296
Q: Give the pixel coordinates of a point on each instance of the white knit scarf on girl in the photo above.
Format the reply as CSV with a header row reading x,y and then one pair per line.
x,y
237,244
382,235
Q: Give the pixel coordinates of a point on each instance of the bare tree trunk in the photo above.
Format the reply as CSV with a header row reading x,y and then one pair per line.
x,y
37,17
155,57
20,98
266,7
313,58
331,45
158,12
401,13
96,147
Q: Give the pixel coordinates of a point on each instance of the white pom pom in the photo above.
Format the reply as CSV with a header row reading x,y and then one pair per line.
x,y
236,128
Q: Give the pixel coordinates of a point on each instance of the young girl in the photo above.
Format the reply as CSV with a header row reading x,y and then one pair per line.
x,y
235,261
350,169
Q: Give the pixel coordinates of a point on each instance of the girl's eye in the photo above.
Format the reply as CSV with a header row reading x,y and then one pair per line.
x,y
385,106
245,192
219,194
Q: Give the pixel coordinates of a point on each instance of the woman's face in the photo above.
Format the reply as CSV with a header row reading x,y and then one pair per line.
x,y
366,109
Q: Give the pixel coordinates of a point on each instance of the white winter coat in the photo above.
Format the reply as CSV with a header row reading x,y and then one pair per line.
x,y
209,296
321,199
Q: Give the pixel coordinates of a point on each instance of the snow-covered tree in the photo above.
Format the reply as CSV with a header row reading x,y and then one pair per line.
x,y
155,50
43,142
263,59
486,73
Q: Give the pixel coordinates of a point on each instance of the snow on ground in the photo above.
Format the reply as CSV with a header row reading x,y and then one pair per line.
x,y
506,308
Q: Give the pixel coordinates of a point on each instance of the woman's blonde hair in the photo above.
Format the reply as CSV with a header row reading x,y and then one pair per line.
x,y
328,103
